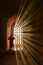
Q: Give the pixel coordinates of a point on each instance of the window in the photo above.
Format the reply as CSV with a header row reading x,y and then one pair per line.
x,y
18,42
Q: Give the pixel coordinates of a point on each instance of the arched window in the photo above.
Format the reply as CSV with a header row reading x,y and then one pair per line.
x,y
18,41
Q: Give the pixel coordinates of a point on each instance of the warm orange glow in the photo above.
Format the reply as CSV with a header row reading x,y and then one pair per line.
x,y
11,20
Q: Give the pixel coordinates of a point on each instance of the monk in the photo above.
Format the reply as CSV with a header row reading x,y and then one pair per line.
x,y
11,38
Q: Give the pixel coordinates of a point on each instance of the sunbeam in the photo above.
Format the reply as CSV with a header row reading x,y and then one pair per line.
x,y
27,20
21,11
33,45
26,11
29,58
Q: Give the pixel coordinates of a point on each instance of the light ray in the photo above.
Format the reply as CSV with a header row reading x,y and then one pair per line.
x,y
31,35
25,20
29,43
33,53
21,12
29,58
16,58
28,20
23,58
18,15
32,49
26,11
20,8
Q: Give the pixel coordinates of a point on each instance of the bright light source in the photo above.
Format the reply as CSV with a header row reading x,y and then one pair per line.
x,y
18,42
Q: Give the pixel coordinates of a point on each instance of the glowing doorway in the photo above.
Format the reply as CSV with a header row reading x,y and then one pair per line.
x,y
18,42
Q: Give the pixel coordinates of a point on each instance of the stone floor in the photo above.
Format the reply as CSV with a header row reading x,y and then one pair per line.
x,y
9,58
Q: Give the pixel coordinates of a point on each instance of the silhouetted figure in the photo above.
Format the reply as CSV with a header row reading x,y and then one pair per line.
x,y
11,38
